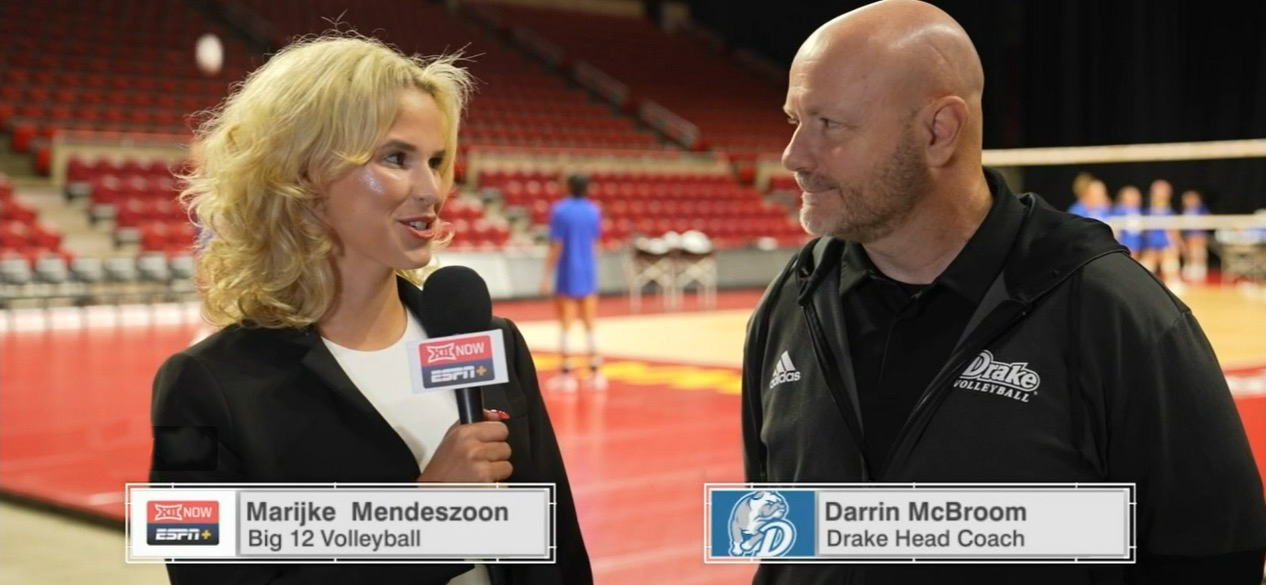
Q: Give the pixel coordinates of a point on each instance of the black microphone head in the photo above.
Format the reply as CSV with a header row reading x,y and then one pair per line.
x,y
455,300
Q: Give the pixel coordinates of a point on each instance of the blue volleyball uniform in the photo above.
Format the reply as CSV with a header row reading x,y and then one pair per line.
x,y
1132,239
1198,210
1157,239
576,224
1099,213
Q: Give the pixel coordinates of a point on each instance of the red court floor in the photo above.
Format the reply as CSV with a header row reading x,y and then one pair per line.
x,y
74,428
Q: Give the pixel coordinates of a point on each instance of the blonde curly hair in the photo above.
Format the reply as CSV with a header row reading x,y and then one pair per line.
x,y
314,112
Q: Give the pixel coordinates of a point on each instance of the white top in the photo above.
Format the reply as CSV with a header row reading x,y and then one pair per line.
x,y
421,419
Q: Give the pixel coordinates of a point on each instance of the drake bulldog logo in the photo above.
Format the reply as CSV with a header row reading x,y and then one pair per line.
x,y
759,526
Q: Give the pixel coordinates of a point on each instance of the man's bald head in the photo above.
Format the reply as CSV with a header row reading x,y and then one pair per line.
x,y
906,52
886,105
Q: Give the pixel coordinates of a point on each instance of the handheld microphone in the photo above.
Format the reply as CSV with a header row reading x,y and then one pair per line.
x,y
455,300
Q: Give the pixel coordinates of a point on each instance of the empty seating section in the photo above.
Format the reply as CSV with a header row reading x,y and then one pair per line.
x,y
31,253
475,231
127,66
140,196
112,65
21,232
517,102
651,204
557,118
734,110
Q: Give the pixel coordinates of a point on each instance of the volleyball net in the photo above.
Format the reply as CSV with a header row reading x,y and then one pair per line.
x,y
1179,207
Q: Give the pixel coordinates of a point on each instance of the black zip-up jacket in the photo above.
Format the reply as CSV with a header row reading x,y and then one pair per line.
x,y
262,405
1128,390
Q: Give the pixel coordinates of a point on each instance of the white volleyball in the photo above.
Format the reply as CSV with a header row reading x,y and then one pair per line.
x,y
209,54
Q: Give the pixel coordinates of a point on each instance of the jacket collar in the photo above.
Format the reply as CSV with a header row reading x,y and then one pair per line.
x,y
1046,246
316,357
970,273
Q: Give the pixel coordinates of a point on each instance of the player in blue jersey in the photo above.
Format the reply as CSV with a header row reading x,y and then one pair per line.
x,y
1093,201
1195,243
1128,209
574,226
1160,246
1080,182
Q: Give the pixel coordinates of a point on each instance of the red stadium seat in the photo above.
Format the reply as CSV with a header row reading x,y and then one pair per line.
x,y
43,159
13,210
13,235
23,134
106,188
78,170
153,237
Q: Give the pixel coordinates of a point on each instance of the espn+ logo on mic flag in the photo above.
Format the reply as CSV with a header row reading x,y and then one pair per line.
x,y
182,522
461,361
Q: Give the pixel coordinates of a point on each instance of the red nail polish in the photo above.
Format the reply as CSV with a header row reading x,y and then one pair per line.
x,y
501,414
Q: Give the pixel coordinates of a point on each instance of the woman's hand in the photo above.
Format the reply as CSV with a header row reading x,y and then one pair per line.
x,y
472,453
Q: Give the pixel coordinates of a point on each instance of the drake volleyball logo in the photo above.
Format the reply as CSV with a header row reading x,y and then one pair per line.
x,y
183,522
1014,380
759,526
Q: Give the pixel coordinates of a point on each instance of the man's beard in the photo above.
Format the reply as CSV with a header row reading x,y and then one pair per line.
x,y
869,213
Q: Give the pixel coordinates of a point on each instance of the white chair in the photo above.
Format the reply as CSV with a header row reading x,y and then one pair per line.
x,y
181,267
647,267
16,276
1243,254
121,274
87,270
699,270
695,264
52,270
154,272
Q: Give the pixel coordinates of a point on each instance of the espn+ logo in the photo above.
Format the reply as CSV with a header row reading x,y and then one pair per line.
x,y
182,522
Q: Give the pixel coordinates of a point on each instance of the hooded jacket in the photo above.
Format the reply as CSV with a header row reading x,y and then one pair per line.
x,y
1102,376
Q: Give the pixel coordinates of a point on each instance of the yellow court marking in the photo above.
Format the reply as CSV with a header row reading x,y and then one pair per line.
x,y
704,350
639,373
712,338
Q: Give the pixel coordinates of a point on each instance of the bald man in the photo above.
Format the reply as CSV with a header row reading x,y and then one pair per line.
x,y
873,356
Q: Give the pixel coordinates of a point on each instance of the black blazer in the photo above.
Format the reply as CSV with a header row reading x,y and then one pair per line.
x,y
273,405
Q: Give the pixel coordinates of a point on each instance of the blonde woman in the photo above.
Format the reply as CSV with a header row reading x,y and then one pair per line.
x,y
321,180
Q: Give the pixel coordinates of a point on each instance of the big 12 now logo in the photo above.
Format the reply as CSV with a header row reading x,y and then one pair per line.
x,y
182,522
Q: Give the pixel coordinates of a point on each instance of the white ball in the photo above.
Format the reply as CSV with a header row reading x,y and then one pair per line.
x,y
671,239
209,54
696,242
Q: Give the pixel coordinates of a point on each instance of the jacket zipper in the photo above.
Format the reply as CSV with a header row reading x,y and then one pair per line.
x,y
834,380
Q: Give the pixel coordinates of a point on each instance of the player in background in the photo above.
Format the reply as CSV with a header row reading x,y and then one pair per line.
x,y
1129,209
1092,198
1160,246
1194,243
571,275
